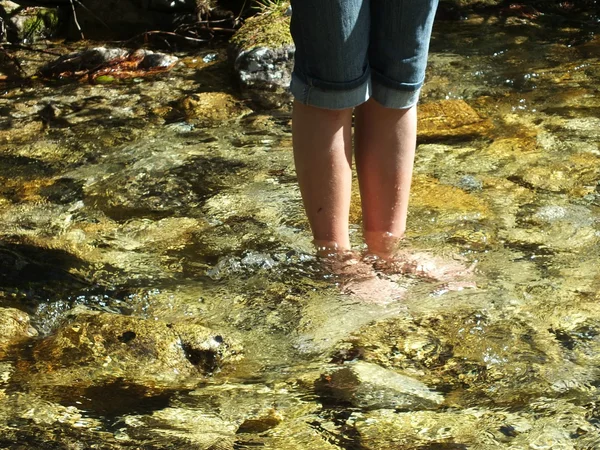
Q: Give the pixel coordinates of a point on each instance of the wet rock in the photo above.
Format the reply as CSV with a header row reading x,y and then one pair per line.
x,y
270,419
212,108
576,175
263,52
552,423
367,385
40,423
302,428
43,271
14,327
466,355
6,370
63,191
449,201
27,25
20,131
388,430
96,348
183,428
476,239
558,227
512,148
42,412
450,119
470,183
250,262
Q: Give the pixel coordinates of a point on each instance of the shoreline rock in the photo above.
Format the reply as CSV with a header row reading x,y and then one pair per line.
x,y
262,52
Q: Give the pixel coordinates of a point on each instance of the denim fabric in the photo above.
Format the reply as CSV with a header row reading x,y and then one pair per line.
x,y
350,50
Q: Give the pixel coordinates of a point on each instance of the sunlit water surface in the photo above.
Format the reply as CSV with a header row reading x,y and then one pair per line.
x,y
119,204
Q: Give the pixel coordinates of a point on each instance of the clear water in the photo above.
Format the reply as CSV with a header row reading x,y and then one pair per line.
x,y
119,204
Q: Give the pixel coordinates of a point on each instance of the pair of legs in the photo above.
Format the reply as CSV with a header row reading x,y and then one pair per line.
x,y
366,57
384,142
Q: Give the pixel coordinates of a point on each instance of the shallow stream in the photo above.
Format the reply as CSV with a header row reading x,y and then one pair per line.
x,y
154,219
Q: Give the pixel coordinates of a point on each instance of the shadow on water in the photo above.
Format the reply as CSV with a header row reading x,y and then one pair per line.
x,y
47,282
110,400
39,270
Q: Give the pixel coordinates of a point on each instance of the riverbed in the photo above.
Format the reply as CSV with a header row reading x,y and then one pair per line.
x,y
158,277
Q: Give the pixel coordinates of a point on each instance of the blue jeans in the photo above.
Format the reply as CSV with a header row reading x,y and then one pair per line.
x,y
348,51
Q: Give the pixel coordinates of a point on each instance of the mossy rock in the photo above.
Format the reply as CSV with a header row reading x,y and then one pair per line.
x,y
262,52
34,23
268,29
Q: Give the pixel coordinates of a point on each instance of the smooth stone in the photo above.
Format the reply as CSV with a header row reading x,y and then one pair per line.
x,y
368,385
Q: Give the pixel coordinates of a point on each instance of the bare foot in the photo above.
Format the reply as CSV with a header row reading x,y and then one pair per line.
x,y
359,279
425,265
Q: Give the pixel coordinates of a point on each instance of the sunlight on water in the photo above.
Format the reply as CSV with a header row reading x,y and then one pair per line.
x,y
168,268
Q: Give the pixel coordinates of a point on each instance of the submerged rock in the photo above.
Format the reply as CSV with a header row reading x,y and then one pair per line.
x,y
14,327
183,428
212,108
367,385
449,202
450,119
95,348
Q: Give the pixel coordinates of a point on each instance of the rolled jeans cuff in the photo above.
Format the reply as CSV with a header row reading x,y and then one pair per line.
x,y
330,99
394,98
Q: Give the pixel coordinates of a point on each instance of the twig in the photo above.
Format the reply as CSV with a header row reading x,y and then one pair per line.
x,y
75,18
91,13
237,19
17,71
31,49
208,22
228,30
169,33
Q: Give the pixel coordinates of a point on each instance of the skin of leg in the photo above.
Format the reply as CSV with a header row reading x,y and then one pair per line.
x,y
385,142
322,141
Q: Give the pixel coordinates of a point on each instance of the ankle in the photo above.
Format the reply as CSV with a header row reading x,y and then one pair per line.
x,y
331,249
383,244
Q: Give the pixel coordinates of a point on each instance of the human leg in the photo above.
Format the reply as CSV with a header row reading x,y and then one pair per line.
x,y
331,76
323,157
386,125
385,140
